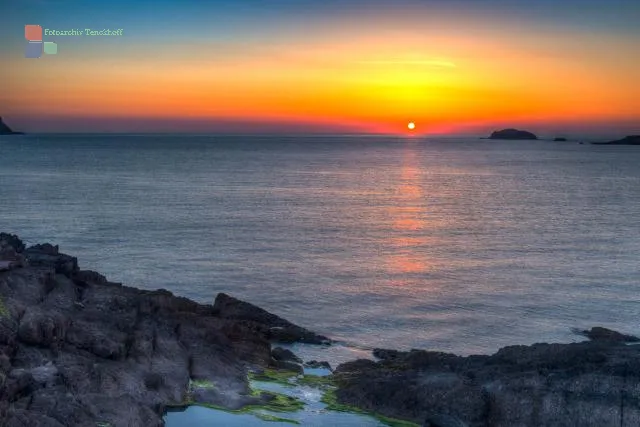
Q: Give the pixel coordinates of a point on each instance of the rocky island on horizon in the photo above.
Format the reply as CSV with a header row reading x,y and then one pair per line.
x,y
512,134
6,130
79,350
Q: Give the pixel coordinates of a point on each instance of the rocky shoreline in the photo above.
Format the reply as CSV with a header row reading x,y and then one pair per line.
x,y
76,349
79,350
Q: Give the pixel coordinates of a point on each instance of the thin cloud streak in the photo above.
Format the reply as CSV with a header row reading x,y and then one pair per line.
x,y
433,63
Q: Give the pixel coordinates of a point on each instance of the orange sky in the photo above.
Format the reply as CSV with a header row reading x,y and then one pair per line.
x,y
379,80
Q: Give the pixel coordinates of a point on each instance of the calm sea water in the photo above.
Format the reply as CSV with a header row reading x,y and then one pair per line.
x,y
449,244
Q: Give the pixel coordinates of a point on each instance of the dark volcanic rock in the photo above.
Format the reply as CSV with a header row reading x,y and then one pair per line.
x,y
78,350
11,248
280,330
589,384
282,354
11,240
6,130
47,255
603,334
286,359
512,134
627,140
386,354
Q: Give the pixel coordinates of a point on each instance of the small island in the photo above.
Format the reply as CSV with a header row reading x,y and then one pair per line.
x,y
512,134
559,139
6,130
627,140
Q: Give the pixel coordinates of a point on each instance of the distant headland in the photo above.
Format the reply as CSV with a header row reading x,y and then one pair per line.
x,y
6,130
627,140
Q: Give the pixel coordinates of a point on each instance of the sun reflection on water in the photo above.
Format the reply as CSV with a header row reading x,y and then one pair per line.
x,y
408,218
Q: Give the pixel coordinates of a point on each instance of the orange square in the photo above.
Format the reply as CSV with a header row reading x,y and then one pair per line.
x,y
33,33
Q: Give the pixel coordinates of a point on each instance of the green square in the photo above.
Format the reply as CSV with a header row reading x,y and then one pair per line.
x,y
50,48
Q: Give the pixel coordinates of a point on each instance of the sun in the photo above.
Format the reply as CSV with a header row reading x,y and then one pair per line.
x,y
411,126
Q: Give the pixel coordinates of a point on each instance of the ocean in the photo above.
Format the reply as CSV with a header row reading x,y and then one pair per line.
x,y
449,244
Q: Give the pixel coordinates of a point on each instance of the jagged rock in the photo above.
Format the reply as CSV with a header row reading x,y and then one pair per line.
x,y
42,328
512,134
78,350
288,365
48,255
283,354
603,334
385,354
10,252
11,240
579,384
88,276
286,359
280,330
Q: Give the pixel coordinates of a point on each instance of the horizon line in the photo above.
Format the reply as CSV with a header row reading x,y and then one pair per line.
x,y
543,137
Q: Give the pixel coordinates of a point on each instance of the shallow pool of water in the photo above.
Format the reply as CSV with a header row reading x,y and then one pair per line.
x,y
314,412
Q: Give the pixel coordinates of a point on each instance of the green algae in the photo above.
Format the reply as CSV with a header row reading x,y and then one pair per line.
x,y
290,378
4,312
273,418
277,403
330,399
280,403
274,376
317,381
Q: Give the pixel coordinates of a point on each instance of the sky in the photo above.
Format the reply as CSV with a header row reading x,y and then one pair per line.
x,y
450,66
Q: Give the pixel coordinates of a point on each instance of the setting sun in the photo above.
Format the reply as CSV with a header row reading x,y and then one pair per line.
x,y
411,126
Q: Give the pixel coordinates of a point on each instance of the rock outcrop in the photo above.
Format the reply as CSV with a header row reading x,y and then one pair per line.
x,y
589,384
607,335
287,360
512,134
79,350
6,130
627,140
560,139
279,329
10,252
